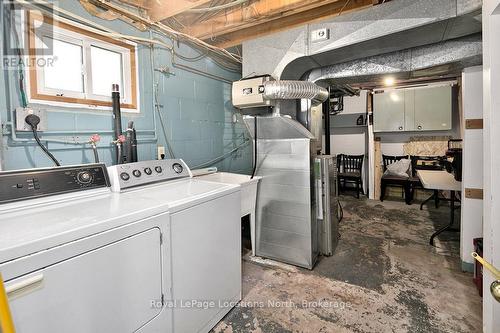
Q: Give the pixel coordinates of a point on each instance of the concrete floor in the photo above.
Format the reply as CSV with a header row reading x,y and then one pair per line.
x,y
384,277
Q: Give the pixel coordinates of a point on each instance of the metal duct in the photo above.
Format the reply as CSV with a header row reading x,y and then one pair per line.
x,y
278,90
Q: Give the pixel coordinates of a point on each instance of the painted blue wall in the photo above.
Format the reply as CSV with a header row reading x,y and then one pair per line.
x,y
195,112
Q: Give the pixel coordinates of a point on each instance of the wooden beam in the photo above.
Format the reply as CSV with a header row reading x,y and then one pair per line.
x,y
260,11
144,4
163,9
257,28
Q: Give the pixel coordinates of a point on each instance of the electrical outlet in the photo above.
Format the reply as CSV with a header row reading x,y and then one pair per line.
x,y
21,114
320,35
161,152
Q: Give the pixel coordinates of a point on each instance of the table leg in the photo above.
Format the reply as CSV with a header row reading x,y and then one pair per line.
x,y
433,196
452,218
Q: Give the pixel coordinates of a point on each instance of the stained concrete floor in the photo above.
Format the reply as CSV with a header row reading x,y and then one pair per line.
x,y
384,277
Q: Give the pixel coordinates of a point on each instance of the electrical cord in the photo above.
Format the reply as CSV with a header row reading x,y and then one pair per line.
x,y
33,121
217,8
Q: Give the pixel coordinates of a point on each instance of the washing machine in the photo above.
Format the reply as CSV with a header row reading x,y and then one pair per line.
x,y
76,257
205,238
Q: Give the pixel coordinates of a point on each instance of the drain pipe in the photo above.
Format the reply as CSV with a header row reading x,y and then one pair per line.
x,y
117,122
326,114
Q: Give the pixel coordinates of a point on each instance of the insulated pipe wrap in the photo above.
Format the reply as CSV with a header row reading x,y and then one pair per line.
x,y
276,90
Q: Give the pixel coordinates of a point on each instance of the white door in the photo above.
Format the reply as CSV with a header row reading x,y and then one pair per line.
x,y
491,101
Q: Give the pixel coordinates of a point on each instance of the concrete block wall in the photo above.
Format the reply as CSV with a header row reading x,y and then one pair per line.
x,y
195,112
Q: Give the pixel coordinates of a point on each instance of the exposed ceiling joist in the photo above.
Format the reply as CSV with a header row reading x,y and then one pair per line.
x,y
161,9
253,14
257,28
227,23
144,4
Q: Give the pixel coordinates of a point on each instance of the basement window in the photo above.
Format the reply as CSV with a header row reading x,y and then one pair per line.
x,y
78,67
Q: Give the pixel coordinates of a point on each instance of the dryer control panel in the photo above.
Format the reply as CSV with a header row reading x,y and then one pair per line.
x,y
34,183
124,176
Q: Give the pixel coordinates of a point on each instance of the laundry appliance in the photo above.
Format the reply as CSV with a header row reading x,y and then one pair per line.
x,y
204,239
76,257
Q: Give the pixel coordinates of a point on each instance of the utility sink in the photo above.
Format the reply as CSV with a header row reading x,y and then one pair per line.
x,y
248,187
248,193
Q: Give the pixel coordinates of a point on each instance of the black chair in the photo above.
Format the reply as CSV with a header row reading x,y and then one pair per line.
x,y
391,180
424,163
340,157
351,172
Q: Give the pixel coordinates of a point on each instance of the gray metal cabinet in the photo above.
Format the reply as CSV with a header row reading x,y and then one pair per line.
x,y
413,109
433,108
389,111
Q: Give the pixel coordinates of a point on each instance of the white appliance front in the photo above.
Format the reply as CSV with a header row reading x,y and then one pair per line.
x,y
110,282
205,231
206,263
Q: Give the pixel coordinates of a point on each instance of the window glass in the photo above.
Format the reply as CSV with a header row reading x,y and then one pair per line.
x,y
106,70
66,70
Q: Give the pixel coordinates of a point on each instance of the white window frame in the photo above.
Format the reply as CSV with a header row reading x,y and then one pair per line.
x,y
73,33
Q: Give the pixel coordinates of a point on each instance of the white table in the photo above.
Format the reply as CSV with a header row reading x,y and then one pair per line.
x,y
441,181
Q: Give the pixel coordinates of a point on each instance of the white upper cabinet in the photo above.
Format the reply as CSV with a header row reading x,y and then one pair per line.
x,y
433,108
389,111
413,109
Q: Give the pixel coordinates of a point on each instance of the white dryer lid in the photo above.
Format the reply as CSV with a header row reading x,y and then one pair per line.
x,y
28,230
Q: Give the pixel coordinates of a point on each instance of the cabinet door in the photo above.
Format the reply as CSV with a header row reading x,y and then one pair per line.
x,y
110,289
433,108
410,110
389,111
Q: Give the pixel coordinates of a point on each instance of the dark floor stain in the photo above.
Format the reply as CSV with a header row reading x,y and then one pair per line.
x,y
239,321
272,327
390,310
329,317
418,311
358,260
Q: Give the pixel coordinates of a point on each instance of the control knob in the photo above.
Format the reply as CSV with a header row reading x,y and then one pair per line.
x,y
148,171
124,176
158,169
84,177
136,173
178,168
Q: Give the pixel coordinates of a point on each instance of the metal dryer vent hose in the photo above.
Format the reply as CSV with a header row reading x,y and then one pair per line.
x,y
276,90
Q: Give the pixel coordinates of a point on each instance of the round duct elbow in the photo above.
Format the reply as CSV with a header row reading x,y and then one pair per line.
x,y
278,90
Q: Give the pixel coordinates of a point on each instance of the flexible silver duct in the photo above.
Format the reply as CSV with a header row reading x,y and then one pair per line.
x,y
277,90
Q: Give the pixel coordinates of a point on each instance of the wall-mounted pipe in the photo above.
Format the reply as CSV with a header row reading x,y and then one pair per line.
x,y
197,71
117,122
